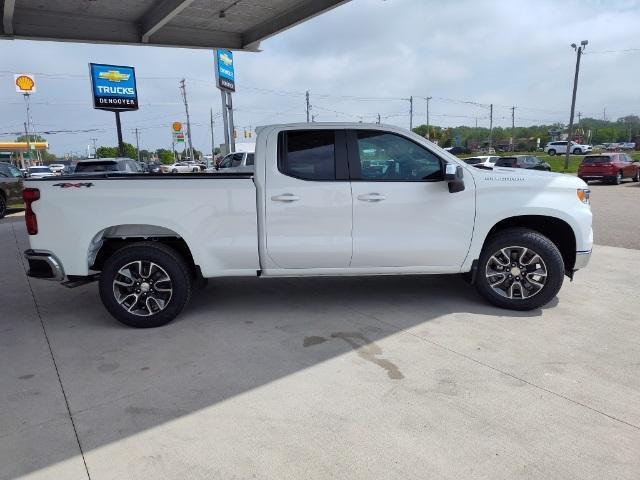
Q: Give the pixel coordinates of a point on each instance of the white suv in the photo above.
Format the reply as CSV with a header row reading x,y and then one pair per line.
x,y
561,147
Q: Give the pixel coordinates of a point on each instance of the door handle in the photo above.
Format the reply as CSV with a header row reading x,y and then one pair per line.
x,y
285,197
371,197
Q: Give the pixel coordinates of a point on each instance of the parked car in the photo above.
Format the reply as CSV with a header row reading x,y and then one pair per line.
x,y
553,148
458,150
57,168
39,172
111,165
530,162
628,146
181,167
154,167
610,167
10,186
482,160
237,162
392,203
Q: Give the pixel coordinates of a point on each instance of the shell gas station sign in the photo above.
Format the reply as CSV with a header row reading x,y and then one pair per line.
x,y
25,83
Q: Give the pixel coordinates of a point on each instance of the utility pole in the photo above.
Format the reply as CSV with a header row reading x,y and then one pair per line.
x,y
95,148
428,128
490,126
213,143
308,106
411,112
579,50
513,128
26,132
604,114
137,144
579,118
26,126
183,89
378,119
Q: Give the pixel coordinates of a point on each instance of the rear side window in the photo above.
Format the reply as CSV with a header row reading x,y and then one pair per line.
x,y
97,167
308,154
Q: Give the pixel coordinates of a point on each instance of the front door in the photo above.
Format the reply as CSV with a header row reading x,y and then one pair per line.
x,y
308,216
403,213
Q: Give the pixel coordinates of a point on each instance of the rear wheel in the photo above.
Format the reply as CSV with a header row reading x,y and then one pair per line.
x,y
519,269
145,285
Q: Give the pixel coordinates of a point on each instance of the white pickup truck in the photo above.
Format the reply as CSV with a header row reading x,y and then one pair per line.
x,y
325,199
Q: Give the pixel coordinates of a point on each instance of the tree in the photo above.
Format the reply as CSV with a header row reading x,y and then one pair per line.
x,y
112,152
166,156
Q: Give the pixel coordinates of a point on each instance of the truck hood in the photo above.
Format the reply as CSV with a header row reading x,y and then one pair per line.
x,y
519,176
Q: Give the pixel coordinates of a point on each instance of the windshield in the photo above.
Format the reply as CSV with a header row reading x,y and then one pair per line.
x,y
97,167
39,170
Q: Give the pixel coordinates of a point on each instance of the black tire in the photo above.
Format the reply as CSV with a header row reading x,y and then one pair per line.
x,y
3,206
577,151
166,258
174,171
636,177
617,180
536,242
551,152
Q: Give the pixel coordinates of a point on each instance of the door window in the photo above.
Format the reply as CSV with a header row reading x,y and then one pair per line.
x,y
226,161
308,154
389,157
249,159
236,159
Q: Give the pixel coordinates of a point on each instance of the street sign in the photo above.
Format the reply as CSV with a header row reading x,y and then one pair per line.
x,y
113,87
178,137
25,83
176,126
225,72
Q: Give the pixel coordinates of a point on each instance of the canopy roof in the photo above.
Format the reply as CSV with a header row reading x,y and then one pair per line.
x,y
230,24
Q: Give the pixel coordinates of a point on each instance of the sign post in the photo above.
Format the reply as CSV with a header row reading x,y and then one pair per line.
x,y
226,82
114,89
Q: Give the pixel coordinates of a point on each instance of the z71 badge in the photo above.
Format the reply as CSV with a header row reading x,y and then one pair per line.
x,y
73,185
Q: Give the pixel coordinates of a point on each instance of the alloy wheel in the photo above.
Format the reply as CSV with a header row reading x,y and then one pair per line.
x,y
516,272
142,288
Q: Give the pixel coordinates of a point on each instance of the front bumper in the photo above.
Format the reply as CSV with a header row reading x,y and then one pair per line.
x,y
582,259
44,265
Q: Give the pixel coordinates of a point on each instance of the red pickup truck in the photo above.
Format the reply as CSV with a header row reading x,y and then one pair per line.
x,y
612,167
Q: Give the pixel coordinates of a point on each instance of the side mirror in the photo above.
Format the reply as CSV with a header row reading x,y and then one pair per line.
x,y
454,174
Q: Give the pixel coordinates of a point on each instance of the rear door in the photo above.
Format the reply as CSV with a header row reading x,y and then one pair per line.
x,y
403,213
308,217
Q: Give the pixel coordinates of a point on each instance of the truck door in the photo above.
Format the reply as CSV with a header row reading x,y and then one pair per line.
x,y
308,216
403,213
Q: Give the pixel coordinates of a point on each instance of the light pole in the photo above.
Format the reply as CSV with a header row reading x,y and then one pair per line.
x,y
579,50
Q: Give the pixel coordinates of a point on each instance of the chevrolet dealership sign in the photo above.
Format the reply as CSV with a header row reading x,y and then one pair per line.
x,y
113,87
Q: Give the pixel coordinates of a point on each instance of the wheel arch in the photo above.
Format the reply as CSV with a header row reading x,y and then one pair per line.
x,y
111,239
554,228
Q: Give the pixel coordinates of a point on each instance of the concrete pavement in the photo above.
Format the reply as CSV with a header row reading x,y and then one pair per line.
x,y
387,377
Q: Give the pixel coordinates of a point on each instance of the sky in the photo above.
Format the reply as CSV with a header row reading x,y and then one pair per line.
x,y
362,59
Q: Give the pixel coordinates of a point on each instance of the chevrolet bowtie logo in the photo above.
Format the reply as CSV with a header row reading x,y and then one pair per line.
x,y
114,76
226,59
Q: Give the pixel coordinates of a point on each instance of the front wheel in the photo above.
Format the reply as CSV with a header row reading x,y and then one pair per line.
x,y
145,285
617,180
551,152
519,269
577,151
636,177
3,206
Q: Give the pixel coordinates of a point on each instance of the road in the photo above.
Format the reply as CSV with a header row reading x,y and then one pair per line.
x,y
616,214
